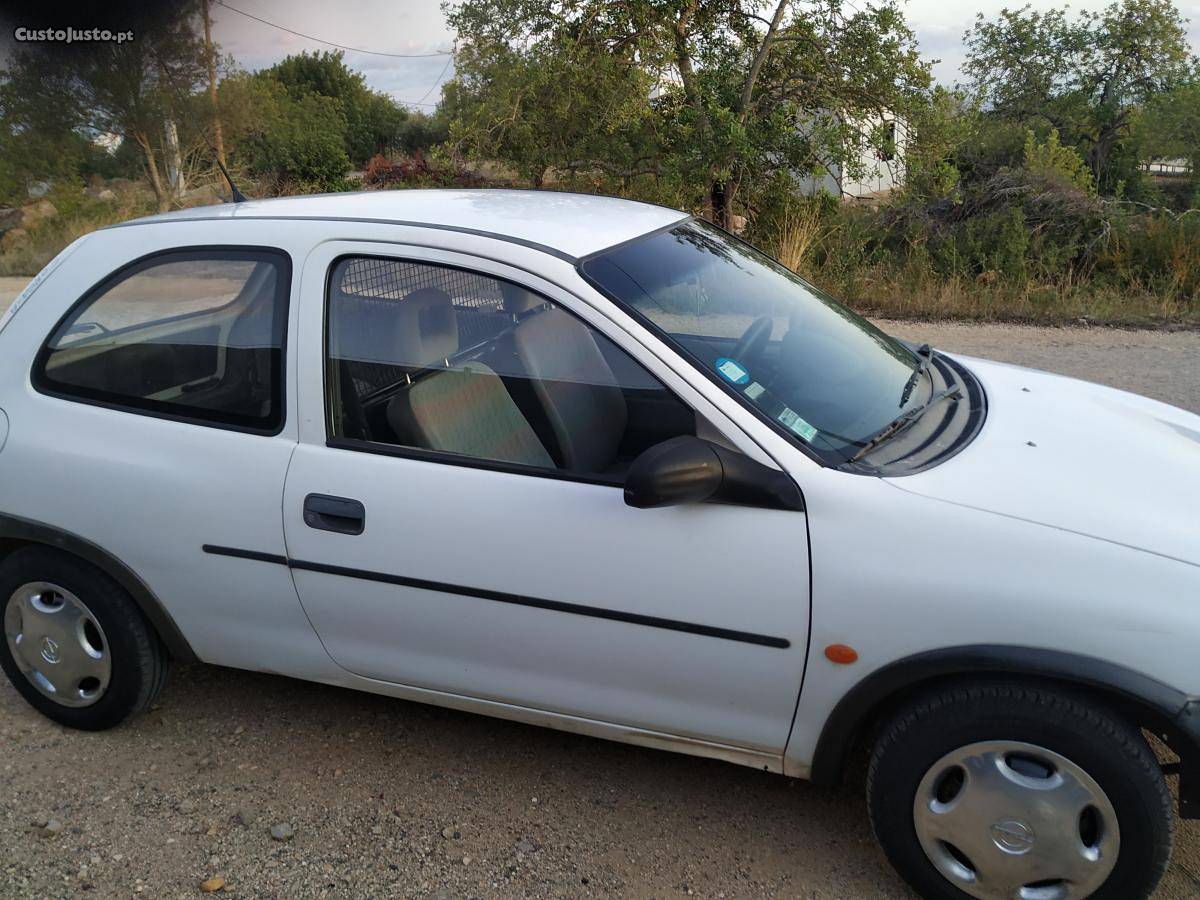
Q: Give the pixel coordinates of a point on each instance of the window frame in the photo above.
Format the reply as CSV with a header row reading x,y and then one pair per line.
x,y
156,409
421,454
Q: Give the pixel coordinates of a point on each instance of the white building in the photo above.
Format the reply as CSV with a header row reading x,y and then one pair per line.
x,y
1169,167
875,157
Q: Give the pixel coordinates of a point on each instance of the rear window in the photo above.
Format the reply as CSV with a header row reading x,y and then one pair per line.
x,y
195,335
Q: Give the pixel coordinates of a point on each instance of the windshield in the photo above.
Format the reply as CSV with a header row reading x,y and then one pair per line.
x,y
826,377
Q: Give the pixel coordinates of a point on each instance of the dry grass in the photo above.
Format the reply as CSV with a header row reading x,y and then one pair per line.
x,y
801,232
899,295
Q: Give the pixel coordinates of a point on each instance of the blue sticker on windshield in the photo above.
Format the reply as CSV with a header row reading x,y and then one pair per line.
x,y
731,370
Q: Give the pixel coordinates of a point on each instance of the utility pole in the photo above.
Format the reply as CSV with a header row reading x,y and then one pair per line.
x,y
219,138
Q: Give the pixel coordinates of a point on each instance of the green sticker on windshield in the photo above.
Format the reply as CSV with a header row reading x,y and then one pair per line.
x,y
792,421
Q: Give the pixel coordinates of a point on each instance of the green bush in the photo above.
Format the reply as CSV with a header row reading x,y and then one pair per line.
x,y
304,144
1054,162
288,143
995,241
1157,252
371,121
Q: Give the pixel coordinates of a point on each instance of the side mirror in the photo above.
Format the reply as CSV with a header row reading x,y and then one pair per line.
x,y
687,469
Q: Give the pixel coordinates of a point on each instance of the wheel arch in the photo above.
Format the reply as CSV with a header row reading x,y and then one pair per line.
x,y
1167,712
16,533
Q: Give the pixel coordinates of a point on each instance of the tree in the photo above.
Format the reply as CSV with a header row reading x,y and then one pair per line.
x,y
373,120
287,142
421,132
37,143
551,106
125,89
935,163
713,93
1085,77
1171,124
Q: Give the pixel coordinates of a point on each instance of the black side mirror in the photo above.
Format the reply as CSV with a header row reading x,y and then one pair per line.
x,y
687,469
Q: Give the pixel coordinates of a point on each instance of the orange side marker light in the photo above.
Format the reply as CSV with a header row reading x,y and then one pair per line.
x,y
841,654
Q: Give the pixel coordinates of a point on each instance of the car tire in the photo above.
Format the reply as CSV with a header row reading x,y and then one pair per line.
x,y
75,645
964,782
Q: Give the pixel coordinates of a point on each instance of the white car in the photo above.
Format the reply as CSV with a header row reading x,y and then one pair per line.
x,y
597,465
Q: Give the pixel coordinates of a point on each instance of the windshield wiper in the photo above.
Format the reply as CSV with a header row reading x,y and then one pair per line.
x,y
924,358
903,421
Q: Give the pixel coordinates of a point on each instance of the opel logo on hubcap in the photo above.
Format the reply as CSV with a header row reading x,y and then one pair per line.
x,y
1013,836
50,650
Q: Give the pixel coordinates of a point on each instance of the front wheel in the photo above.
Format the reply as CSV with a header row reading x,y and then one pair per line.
x,y
1021,793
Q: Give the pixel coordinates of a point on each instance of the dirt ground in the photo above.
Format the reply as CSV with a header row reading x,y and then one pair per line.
x,y
392,799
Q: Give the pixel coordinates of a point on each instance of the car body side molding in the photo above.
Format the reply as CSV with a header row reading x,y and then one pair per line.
x,y
1169,708
728,634
236,553
27,531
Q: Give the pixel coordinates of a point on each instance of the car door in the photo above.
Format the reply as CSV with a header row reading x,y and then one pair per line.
x,y
455,520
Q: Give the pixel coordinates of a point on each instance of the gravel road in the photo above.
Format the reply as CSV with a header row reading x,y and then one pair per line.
x,y
385,798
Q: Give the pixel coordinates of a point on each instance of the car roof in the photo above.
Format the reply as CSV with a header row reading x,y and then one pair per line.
x,y
567,225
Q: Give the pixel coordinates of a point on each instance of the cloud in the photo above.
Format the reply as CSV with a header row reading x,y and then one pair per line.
x,y
418,26
387,26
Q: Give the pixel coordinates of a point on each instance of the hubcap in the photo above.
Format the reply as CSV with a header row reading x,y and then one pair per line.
x,y
57,644
1004,819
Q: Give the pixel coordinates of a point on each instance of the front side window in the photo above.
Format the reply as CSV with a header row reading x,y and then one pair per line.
x,y
196,335
473,368
825,377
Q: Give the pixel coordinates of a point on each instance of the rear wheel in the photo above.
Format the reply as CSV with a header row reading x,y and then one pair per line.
x,y
1011,791
75,644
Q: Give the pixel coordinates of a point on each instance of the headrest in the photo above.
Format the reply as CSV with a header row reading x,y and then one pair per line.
x,y
426,328
517,300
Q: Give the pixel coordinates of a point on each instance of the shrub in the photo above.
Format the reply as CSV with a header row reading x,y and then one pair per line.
x,y
295,142
994,241
1054,162
416,171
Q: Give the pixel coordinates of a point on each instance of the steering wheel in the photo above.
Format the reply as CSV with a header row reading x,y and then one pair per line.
x,y
754,341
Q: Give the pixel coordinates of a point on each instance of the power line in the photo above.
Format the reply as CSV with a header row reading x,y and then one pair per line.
x,y
310,37
436,83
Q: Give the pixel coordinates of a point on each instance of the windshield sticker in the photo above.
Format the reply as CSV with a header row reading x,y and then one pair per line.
x,y
792,421
754,391
732,371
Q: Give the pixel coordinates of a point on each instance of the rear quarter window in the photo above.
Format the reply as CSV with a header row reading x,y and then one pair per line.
x,y
196,335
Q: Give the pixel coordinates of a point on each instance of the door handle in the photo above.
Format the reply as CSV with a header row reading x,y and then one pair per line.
x,y
335,514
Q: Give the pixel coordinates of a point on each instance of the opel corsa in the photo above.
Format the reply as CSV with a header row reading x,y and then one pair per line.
x,y
600,466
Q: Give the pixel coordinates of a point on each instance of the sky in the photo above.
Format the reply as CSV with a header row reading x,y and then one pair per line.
x,y
419,26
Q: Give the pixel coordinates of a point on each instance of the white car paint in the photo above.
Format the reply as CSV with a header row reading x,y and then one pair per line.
x,y
36,281
1129,461
1089,550
571,224
942,574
